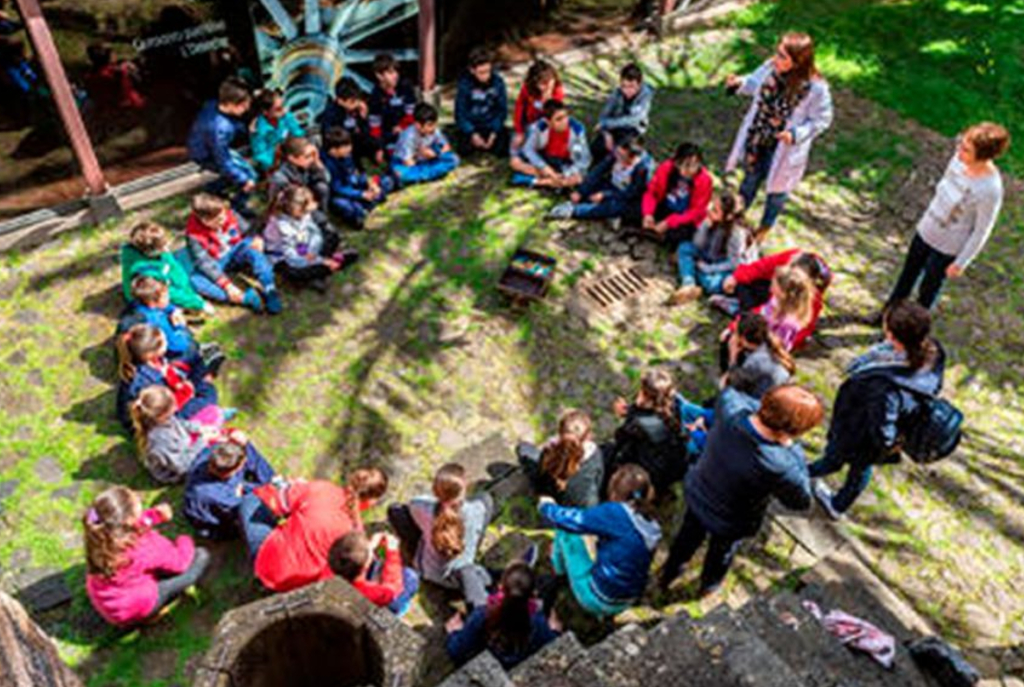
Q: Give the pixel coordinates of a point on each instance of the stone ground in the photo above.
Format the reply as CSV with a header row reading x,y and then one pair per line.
x,y
413,359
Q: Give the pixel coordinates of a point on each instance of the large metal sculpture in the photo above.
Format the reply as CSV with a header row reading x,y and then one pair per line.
x,y
305,50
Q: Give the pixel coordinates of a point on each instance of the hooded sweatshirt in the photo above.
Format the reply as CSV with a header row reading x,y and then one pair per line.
x,y
626,541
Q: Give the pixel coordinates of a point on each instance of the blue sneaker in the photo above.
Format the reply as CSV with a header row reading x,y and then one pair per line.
x,y
273,302
252,300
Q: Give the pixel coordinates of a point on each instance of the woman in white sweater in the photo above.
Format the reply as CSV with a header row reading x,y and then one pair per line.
x,y
960,217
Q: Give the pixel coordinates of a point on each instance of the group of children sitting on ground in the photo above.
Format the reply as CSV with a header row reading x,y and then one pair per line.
x,y
733,452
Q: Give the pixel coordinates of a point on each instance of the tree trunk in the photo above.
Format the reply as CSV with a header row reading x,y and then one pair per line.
x,y
28,657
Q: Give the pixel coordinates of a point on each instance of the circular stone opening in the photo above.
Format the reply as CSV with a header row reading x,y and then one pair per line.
x,y
309,651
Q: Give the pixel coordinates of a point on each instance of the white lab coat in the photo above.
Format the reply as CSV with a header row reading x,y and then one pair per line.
x,y
810,118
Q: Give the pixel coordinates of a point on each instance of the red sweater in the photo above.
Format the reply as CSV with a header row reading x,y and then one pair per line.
x,y
529,109
317,513
390,585
658,190
764,270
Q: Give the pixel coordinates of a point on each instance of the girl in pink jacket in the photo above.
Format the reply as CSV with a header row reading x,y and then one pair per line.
x,y
133,572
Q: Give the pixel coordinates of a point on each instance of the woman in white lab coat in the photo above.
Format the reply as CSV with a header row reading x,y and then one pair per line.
x,y
792,106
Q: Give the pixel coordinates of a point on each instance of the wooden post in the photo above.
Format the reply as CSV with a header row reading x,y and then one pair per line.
x,y
63,98
428,47
29,657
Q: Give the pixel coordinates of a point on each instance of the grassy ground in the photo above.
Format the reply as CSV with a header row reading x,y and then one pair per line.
x,y
413,359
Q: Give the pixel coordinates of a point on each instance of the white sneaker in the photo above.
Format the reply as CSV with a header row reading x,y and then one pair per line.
x,y
561,211
823,495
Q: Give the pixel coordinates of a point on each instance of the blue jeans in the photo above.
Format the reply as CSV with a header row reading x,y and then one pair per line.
x,y
257,522
410,585
241,255
606,209
926,265
426,170
857,478
754,176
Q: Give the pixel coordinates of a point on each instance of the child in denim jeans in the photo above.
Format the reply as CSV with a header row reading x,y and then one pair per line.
x,y
353,193
613,189
422,153
719,246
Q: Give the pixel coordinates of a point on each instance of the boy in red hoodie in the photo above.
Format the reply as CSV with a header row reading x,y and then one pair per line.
x,y
290,527
677,198
374,567
218,244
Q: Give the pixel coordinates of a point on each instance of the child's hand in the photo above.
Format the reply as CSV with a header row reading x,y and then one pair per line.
x,y
249,186
596,197
409,162
332,264
257,243
165,511
554,622
517,140
648,222
427,153
380,157
235,294
620,407
489,143
477,141
575,197
178,318
661,227
390,541
729,285
724,336
363,108
785,137
369,194
733,81
454,624
697,424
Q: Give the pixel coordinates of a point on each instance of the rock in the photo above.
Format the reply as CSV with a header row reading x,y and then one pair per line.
x,y
69,492
34,377
49,470
17,358
20,558
30,656
7,487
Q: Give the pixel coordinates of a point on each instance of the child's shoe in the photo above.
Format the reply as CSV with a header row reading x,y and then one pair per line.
x,y
273,302
252,300
823,495
213,357
561,211
730,306
685,294
347,257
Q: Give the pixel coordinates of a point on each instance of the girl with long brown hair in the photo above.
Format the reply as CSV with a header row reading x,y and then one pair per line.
x,y
627,535
569,466
541,85
446,529
791,107
131,570
652,434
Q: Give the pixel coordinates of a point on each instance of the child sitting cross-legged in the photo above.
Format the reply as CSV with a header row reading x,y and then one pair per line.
x,y
391,103
568,467
302,251
720,245
374,567
168,445
555,153
218,245
481,107
422,152
353,193
626,112
142,362
512,626
132,572
147,253
302,166
218,480
151,304
613,189
349,111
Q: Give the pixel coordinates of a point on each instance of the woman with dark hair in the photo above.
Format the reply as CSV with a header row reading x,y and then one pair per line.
x,y
882,390
792,106
512,625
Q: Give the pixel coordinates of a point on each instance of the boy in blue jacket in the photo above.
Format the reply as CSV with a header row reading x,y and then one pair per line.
x,y
627,111
209,143
353,193
392,102
481,107
614,189
349,111
217,481
422,153
151,304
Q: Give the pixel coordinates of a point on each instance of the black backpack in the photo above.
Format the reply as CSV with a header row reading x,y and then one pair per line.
x,y
931,432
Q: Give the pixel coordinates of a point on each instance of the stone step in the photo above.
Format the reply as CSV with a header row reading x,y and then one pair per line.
x,y
748,660
483,671
554,666
617,660
677,658
799,640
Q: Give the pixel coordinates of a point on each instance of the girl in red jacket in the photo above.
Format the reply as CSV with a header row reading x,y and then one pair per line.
x,y
677,198
541,85
750,286
131,571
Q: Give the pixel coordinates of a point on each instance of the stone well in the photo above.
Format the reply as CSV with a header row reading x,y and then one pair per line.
x,y
324,634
